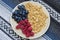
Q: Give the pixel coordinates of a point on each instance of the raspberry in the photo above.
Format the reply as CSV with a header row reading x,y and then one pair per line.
x,y
18,27
28,34
22,27
26,27
26,20
24,31
24,24
21,22
30,28
32,34
28,24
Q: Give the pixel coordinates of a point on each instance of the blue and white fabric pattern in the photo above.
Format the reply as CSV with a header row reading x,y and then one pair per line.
x,y
6,32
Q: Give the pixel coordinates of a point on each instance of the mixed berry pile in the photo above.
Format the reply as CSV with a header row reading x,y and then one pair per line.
x,y
20,16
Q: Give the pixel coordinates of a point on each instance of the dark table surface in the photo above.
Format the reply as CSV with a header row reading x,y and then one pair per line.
x,y
54,3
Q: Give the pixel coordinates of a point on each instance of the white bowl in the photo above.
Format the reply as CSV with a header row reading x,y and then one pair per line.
x,y
19,32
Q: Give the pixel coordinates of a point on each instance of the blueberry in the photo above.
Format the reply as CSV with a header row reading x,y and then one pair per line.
x,y
19,19
16,17
24,12
16,12
20,13
21,7
23,18
13,16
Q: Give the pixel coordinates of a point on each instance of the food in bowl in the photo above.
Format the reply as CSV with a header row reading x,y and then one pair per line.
x,y
30,19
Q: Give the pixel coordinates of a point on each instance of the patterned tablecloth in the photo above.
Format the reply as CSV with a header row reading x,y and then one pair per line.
x,y
6,32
